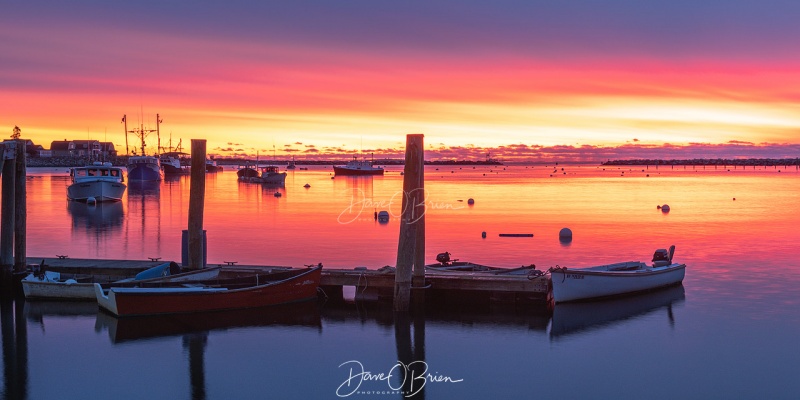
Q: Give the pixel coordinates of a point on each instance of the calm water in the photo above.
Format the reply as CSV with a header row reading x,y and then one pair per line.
x,y
729,332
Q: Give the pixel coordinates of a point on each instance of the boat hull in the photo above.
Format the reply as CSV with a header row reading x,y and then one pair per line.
x,y
153,301
34,288
100,190
337,170
144,168
583,284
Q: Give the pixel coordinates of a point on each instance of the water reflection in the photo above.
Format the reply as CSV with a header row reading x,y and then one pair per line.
x,y
122,330
578,318
143,227
98,219
15,350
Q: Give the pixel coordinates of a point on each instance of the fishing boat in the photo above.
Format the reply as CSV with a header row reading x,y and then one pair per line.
x,y
356,167
142,167
300,285
42,284
171,163
98,182
616,279
269,175
212,166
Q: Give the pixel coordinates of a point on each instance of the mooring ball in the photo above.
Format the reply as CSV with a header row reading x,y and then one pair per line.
x,y
565,233
483,234
665,208
470,201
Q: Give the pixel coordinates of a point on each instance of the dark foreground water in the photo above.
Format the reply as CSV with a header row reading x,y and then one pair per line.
x,y
730,331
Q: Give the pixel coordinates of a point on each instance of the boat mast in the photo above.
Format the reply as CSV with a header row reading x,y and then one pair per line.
x,y
125,120
158,133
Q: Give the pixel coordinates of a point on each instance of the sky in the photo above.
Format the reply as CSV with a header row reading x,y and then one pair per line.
x,y
529,79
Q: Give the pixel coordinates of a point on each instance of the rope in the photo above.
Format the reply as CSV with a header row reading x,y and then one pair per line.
x,y
558,268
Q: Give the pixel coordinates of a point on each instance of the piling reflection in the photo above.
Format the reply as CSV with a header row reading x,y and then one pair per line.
x,y
15,350
577,318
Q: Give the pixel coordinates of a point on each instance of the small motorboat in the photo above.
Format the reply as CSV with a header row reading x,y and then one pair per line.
x,y
616,279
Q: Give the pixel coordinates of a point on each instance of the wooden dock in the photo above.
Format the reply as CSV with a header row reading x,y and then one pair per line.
x,y
368,285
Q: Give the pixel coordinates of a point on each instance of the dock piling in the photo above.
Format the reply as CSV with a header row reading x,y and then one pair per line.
x,y
197,192
20,210
7,216
412,213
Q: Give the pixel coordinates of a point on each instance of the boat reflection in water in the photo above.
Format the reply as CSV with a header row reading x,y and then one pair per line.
x,y
305,314
573,318
100,217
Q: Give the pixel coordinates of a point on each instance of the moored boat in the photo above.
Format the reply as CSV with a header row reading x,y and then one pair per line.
x,y
300,286
270,175
98,182
143,167
447,265
616,279
212,166
357,167
171,163
43,284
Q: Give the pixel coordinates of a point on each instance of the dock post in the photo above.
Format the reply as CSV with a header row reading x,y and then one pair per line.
x,y
407,244
197,193
21,210
7,217
418,277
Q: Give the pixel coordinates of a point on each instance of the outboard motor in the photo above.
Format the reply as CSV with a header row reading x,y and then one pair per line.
x,y
661,258
443,258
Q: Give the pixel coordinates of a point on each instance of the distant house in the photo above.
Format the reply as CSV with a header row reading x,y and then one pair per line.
x,y
82,148
61,149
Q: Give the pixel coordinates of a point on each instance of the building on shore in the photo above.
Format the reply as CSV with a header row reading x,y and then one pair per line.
x,y
81,148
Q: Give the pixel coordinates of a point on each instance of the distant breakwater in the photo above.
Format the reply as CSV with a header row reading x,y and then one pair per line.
x,y
744,162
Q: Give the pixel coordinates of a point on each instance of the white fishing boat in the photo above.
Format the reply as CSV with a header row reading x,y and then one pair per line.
x,y
98,182
616,279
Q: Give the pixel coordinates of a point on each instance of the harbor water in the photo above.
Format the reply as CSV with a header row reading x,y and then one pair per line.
x,y
729,331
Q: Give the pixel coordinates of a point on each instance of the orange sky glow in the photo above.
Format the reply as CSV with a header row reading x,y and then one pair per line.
x,y
309,98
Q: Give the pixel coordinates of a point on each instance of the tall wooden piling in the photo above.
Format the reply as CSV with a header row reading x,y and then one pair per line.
x,y
197,193
409,222
20,210
7,216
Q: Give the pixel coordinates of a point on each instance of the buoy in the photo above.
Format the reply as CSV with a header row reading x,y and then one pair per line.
x,y
734,199
91,200
277,194
565,235
483,234
658,207
471,201
306,186
665,208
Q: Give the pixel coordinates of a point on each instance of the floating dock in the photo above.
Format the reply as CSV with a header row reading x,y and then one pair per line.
x,y
365,284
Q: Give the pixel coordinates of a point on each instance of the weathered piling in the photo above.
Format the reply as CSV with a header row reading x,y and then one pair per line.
x,y
7,216
20,210
407,248
197,192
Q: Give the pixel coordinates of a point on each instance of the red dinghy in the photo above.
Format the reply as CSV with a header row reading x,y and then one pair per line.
x,y
133,301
